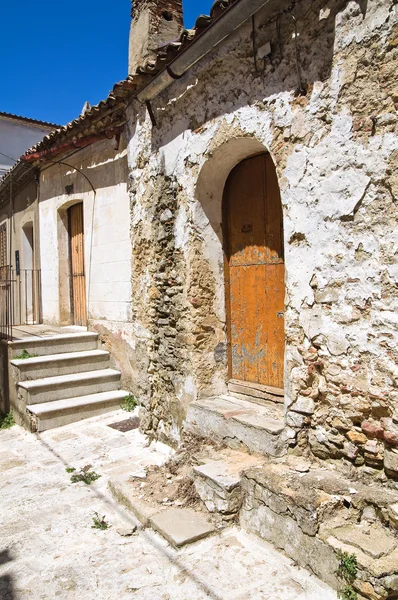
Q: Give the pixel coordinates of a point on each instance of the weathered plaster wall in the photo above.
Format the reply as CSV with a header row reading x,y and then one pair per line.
x,y
107,244
335,148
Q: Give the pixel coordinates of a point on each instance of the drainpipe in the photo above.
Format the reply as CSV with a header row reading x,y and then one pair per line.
x,y
235,16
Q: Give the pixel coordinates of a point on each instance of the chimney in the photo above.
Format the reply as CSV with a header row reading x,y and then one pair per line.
x,y
154,22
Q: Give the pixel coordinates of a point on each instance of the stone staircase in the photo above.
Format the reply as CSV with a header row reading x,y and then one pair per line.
x,y
311,512
241,424
65,378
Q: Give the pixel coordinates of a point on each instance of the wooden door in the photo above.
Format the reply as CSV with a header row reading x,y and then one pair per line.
x,y
78,288
255,271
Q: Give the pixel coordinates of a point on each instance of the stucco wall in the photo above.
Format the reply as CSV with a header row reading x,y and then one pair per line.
x,y
107,245
335,149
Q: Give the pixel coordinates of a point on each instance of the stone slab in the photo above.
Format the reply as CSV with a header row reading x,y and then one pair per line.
x,y
371,539
122,491
227,473
181,526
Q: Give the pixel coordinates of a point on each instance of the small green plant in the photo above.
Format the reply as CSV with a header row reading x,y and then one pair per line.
x,y
7,421
129,403
70,469
347,571
85,475
347,593
24,355
99,522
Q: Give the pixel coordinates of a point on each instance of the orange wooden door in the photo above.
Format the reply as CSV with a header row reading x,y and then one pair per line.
x,y
255,272
78,292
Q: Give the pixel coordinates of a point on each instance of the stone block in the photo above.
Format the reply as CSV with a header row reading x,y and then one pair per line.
x,y
356,437
391,462
372,430
218,482
370,539
181,526
304,405
393,514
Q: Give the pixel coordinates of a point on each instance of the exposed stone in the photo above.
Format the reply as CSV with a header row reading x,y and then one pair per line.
x,y
126,530
304,405
371,539
391,461
356,437
327,296
218,483
393,514
372,430
181,526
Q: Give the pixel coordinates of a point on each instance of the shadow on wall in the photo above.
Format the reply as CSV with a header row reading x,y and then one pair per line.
x,y
101,163
233,80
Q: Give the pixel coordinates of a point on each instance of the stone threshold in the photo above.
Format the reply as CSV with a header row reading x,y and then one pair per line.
x,y
240,424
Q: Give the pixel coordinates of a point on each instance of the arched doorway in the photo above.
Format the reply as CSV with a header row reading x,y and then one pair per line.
x,y
255,272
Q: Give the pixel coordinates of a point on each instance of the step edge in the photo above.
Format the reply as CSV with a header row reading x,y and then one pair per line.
x,y
54,338
95,400
65,356
48,382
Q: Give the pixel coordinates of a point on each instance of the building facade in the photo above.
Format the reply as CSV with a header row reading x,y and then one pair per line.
x,y
297,108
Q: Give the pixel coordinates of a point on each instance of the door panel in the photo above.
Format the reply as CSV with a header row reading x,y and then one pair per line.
x,y
255,278
78,292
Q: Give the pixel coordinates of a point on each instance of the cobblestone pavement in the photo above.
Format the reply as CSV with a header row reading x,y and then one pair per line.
x,y
49,550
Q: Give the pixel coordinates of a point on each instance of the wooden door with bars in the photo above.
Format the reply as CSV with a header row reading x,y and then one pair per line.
x,y
78,278
255,271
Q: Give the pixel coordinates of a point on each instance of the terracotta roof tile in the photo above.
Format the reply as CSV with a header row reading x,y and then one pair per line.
x,y
28,120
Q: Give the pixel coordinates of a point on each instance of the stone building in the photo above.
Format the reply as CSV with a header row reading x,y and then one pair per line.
x,y
259,295
288,299
296,106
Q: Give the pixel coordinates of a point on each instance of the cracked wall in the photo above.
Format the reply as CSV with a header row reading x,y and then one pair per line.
x,y
329,121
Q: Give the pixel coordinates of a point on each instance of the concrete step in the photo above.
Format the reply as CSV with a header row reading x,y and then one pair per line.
x,y
56,344
219,482
50,415
50,389
60,364
241,425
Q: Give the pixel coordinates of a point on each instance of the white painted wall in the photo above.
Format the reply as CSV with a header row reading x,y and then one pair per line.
x,y
15,138
107,243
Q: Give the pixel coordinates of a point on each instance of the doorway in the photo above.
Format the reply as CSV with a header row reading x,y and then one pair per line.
x,y
28,275
255,273
76,253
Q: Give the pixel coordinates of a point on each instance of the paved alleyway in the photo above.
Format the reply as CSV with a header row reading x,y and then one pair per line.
x,y
49,550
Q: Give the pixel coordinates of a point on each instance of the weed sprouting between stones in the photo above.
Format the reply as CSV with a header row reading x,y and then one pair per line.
x,y
99,522
85,475
129,403
347,571
7,421
24,355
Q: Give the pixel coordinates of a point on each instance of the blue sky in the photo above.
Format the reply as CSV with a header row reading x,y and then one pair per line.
x,y
56,55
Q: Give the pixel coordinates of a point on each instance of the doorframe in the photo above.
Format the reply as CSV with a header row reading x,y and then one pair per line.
x,y
255,392
71,295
